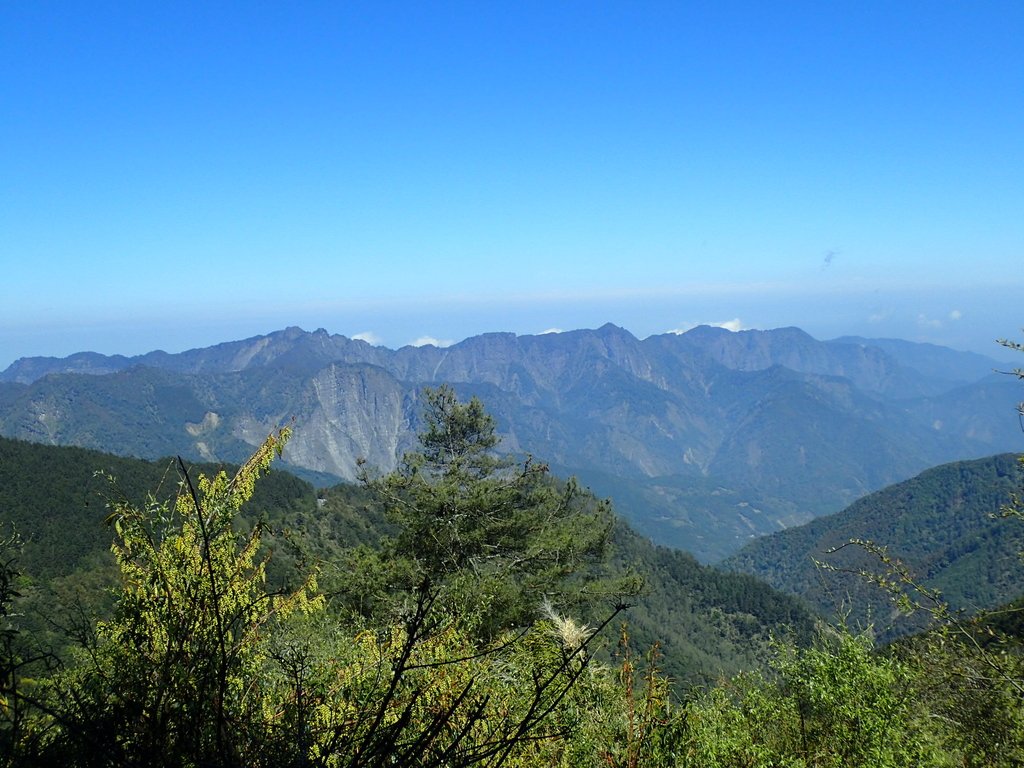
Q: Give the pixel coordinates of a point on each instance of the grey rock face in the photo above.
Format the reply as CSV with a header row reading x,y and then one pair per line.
x,y
703,439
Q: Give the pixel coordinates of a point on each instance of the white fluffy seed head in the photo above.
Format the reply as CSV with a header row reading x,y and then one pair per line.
x,y
572,634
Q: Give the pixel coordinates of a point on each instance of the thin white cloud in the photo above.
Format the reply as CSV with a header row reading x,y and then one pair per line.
x,y
730,325
550,330
369,337
425,341
926,322
956,314
877,317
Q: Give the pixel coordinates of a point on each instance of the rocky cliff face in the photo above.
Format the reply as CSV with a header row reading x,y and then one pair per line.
x,y
703,438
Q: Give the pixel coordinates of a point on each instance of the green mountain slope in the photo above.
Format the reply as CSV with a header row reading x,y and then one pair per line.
x,y
944,525
708,622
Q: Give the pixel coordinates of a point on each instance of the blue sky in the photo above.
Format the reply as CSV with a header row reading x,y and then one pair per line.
x,y
175,176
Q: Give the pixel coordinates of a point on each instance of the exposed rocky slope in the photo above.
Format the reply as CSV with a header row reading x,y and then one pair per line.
x,y
704,439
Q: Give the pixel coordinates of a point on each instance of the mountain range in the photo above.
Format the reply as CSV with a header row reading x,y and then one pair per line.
x,y
703,440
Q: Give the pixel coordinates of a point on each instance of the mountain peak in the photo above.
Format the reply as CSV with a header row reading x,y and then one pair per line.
x,y
786,425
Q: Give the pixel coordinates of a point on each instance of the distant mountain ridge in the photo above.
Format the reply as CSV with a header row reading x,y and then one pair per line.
x,y
873,365
936,362
703,439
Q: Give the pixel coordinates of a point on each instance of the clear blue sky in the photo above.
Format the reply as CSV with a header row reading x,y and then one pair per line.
x,y
173,175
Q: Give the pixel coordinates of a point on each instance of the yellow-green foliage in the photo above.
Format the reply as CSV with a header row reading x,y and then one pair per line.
x,y
201,665
178,670
844,703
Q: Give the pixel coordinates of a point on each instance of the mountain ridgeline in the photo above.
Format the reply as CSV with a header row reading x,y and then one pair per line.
x,y
704,440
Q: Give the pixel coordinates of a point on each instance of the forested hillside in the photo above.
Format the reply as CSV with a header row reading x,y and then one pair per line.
x,y
461,610
944,526
709,623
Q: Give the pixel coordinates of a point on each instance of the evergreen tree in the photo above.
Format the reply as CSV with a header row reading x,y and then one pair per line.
x,y
495,534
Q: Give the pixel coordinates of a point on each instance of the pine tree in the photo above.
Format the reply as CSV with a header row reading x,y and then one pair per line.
x,y
496,534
